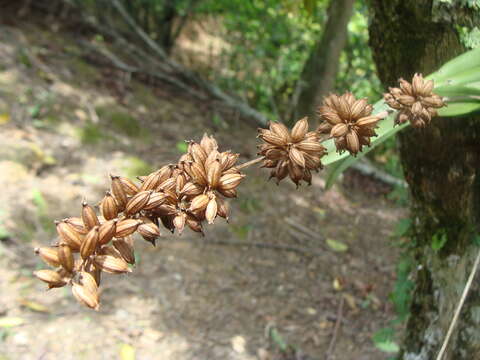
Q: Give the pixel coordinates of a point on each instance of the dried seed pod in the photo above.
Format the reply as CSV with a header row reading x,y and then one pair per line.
x,y
107,231
230,181
125,249
273,139
198,173
353,144
137,202
296,157
310,147
126,227
281,131
339,130
48,255
90,243
109,207
93,271
85,296
88,281
223,209
232,193
299,130
211,211
156,199
194,224
199,202
109,250
89,216
149,230
208,144
119,191
151,181
168,184
213,174
191,189
111,264
197,152
69,235
65,257
179,222
51,277
77,224
129,187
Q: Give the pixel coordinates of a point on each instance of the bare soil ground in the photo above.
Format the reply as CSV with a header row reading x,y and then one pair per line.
x,y
65,125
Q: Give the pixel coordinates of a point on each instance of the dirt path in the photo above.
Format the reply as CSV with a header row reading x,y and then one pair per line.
x,y
66,125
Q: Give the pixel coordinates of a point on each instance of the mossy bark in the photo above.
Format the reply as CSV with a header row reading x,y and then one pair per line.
x,y
442,166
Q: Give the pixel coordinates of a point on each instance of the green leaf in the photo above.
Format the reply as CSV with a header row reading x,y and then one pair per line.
x,y
387,346
402,227
476,240
468,60
458,109
337,245
383,340
8,322
309,5
458,90
438,241
182,146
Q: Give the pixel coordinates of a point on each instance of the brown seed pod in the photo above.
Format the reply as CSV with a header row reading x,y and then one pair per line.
x,y
194,224
296,157
129,187
191,189
109,207
77,224
89,216
199,202
232,193
119,191
65,257
211,211
213,174
197,152
88,281
299,130
198,174
93,271
69,235
223,209
85,296
151,181
126,227
111,264
230,181
125,249
149,230
179,222
48,255
281,131
51,277
90,243
137,202
107,231
156,199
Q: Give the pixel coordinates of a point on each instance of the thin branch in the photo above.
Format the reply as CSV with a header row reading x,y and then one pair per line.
x,y
338,322
250,163
459,307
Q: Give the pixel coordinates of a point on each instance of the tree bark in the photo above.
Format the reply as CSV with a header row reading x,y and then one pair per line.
x,y
442,167
319,73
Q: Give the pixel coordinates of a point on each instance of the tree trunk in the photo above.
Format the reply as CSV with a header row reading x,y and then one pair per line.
x,y
319,73
442,166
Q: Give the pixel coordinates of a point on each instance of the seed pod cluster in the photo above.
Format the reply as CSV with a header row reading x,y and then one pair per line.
x,y
414,101
177,195
294,153
348,121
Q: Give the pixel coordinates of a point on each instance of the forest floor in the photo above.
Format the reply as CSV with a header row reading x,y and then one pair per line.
x,y
65,125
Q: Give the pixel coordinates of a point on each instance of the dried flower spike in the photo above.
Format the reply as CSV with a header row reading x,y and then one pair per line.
x,y
294,154
414,101
348,121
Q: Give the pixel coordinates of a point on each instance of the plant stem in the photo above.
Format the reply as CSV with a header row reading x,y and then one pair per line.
x,y
250,163
459,307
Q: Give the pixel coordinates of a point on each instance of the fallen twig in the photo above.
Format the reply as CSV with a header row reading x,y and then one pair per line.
x,y
338,322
